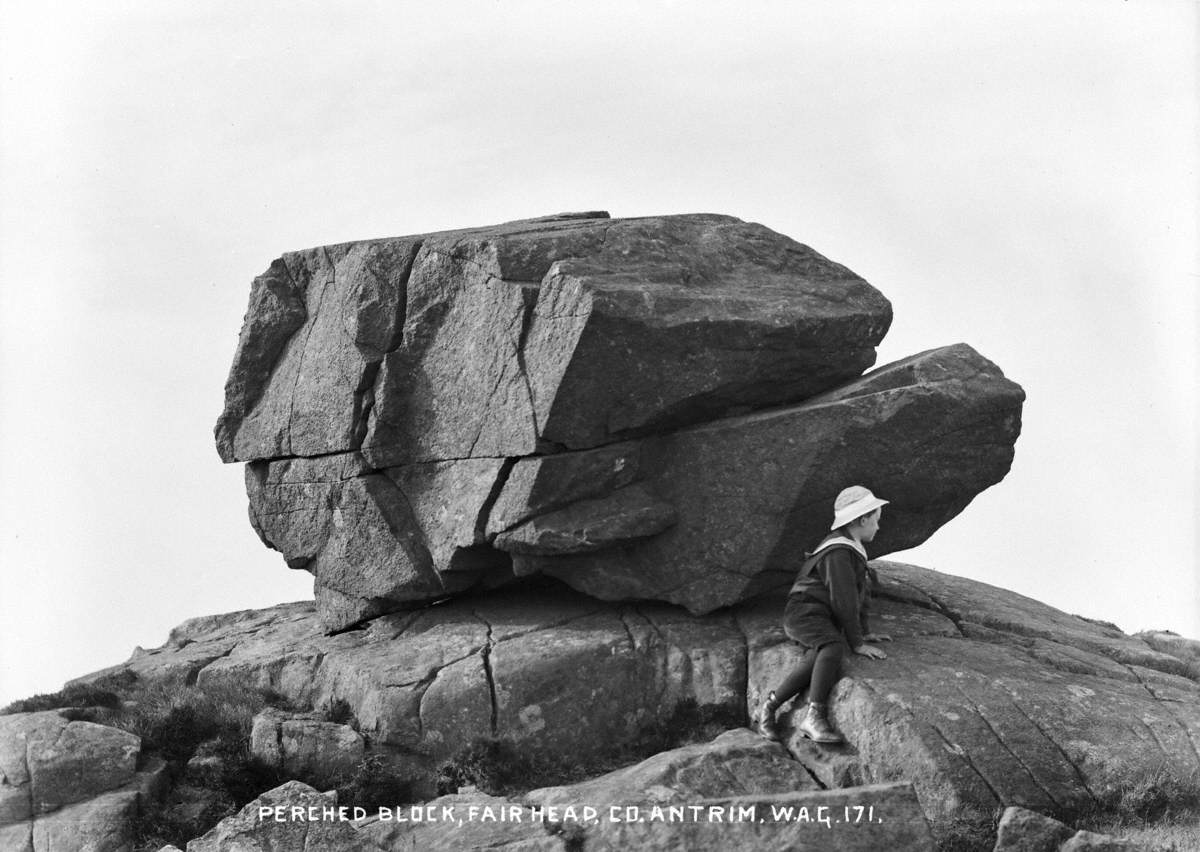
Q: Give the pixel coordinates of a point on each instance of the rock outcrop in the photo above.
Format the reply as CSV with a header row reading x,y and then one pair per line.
x,y
1021,830
300,744
647,409
678,800
987,698
68,785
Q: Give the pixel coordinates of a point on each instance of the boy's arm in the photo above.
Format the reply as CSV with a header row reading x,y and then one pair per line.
x,y
843,594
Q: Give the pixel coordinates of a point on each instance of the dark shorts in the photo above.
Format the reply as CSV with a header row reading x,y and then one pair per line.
x,y
809,622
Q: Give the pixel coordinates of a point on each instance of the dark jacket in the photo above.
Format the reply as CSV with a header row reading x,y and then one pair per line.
x,y
837,576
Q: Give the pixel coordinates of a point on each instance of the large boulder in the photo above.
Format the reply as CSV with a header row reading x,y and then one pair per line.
x,y
518,664
705,516
48,761
396,401
574,330
67,785
1022,830
102,824
292,816
750,493
300,744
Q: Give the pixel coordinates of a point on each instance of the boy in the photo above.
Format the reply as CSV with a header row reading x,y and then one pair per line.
x,y
826,611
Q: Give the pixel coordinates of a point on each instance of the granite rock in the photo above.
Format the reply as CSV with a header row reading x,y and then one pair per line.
x,y
305,746
570,330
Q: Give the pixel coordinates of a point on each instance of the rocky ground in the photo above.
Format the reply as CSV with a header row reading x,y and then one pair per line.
x,y
987,700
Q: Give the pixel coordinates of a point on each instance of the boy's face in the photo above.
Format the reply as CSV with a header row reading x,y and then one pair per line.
x,y
870,525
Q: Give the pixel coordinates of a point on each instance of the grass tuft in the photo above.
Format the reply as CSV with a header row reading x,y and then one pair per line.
x,y
970,830
77,696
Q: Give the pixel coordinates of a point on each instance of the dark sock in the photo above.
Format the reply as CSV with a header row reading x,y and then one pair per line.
x,y
797,679
825,671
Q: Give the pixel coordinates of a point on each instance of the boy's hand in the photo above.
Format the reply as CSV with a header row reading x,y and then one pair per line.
x,y
871,651
877,637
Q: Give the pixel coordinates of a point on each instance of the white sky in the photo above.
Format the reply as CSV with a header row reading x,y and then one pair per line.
x,y
1017,175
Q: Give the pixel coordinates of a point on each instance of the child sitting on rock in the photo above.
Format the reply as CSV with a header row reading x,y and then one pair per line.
x,y
826,611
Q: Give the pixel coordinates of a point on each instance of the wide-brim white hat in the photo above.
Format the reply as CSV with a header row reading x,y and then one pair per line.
x,y
852,503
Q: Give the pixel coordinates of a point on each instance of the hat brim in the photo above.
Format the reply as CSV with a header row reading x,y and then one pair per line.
x,y
856,510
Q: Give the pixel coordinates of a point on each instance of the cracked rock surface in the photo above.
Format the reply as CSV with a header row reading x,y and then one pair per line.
x,y
69,784
647,409
987,698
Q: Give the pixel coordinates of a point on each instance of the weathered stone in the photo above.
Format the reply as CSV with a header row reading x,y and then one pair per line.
x,y
302,745
622,517
977,724
677,320
318,326
424,379
524,834
373,540
1023,830
247,831
101,824
864,819
578,331
995,714
1090,841
17,837
48,761
736,763
927,433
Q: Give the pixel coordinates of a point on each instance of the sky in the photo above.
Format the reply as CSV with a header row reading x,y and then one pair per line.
x,y
1019,176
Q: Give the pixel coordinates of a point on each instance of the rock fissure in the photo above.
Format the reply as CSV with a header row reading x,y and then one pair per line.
x,y
550,625
265,460
1184,728
943,609
652,623
402,304
965,755
304,350
1078,772
364,404
633,648
519,350
194,675
489,502
1166,709
1003,744
485,655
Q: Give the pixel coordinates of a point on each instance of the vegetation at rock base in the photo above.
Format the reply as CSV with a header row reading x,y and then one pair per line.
x,y
1154,806
502,767
72,696
211,722
970,830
